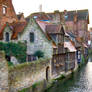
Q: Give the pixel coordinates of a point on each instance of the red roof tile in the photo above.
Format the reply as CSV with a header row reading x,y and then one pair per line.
x,y
17,28
53,28
39,15
2,27
43,25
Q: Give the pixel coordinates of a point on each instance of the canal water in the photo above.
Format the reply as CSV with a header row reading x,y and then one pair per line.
x,y
81,81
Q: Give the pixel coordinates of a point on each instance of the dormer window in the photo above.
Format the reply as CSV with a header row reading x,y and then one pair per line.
x,y
4,10
7,37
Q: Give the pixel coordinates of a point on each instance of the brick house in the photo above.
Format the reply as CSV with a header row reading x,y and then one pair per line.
x,y
7,12
77,23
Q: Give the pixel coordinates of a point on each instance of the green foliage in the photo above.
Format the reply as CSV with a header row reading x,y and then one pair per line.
x,y
83,59
90,52
27,64
25,90
39,54
14,49
10,64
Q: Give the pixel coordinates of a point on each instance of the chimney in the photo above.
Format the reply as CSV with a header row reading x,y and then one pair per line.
x,y
75,17
56,11
40,8
65,12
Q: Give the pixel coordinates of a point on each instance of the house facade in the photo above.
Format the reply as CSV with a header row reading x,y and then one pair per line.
x,y
36,40
56,32
70,59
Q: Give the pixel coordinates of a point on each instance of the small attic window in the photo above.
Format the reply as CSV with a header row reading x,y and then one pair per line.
x,y
4,10
7,36
35,17
66,16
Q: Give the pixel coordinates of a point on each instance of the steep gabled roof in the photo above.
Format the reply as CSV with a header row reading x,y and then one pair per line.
x,y
38,16
2,27
81,15
17,28
45,33
43,25
19,16
53,28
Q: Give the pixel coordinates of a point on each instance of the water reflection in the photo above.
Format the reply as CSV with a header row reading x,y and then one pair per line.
x,y
81,81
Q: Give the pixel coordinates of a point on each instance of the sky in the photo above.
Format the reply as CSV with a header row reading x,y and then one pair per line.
x,y
31,6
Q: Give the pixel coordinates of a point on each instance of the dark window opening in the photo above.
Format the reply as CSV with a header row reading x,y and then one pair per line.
x,y
47,73
54,37
31,37
7,37
8,58
31,58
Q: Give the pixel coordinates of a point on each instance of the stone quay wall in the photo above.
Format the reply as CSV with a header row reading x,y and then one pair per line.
x,y
25,75
14,79
3,73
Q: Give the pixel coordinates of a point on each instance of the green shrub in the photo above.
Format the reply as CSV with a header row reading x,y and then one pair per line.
x,y
39,54
14,49
10,64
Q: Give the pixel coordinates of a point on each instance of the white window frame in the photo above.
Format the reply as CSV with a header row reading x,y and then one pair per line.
x,y
4,9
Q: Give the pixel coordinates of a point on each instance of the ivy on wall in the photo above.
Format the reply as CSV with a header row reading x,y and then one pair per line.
x,y
14,49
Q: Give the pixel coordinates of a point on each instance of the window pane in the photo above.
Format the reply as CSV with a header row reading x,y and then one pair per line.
x,y
4,10
31,37
7,37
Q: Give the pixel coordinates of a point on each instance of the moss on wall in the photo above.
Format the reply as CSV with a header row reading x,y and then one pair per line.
x,y
37,87
26,74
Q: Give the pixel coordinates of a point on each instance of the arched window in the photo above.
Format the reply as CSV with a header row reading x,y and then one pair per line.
x,y
7,37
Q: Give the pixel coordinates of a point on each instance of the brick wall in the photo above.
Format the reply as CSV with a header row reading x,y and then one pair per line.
x,y
10,15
